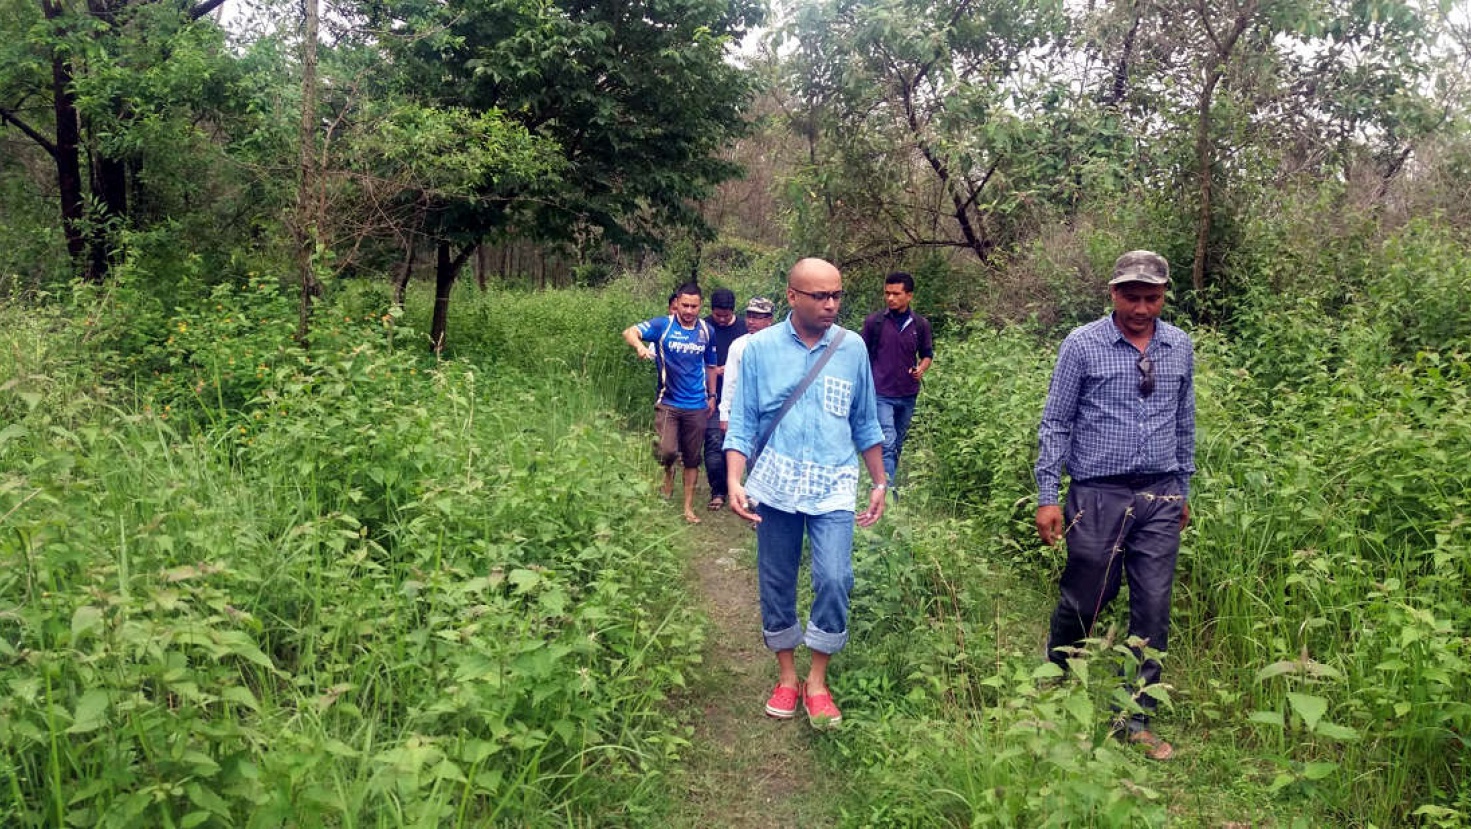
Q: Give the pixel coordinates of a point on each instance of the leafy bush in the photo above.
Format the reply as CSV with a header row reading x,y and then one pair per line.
x,y
954,720
354,586
1321,588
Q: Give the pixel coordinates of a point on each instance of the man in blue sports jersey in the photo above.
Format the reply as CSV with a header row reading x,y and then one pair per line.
x,y
682,346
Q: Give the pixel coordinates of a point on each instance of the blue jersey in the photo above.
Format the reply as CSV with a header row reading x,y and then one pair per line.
x,y
682,355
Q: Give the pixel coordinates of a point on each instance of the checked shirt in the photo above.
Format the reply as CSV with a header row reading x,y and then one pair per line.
x,y
1096,421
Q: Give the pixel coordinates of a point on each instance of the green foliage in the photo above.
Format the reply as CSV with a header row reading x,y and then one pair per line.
x,y
1320,603
953,720
985,453
638,100
923,127
345,585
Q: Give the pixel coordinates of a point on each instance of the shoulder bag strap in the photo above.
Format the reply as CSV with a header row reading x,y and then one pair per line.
x,y
797,394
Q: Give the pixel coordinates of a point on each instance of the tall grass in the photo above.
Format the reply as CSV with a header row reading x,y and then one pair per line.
x,y
1321,608
246,584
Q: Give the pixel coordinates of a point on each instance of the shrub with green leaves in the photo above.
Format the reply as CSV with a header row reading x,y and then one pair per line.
x,y
352,585
1320,606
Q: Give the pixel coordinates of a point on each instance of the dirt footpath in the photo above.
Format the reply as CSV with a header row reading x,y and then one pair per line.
x,y
745,769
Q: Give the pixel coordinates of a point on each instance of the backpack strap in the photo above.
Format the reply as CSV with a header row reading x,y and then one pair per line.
x,y
663,363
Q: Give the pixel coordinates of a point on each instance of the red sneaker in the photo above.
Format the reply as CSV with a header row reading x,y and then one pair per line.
x,y
821,711
783,702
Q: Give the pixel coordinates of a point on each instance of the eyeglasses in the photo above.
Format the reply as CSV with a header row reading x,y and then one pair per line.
x,y
1146,376
820,296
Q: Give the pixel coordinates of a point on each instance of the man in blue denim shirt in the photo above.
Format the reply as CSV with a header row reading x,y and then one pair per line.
x,y
1120,415
805,480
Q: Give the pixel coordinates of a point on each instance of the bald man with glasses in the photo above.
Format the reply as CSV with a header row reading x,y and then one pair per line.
x,y
1120,416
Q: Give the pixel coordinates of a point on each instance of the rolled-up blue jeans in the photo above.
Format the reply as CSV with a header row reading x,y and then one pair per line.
x,y
895,413
778,557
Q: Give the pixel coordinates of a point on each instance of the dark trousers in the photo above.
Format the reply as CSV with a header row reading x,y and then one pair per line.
x,y
715,459
1116,530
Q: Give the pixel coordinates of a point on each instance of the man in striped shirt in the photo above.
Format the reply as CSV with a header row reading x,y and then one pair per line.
x,y
1120,416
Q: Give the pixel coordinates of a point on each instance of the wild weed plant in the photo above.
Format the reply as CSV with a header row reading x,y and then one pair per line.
x,y
954,717
250,584
1321,611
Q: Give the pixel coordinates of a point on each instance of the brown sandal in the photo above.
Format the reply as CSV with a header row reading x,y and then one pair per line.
x,y
1156,749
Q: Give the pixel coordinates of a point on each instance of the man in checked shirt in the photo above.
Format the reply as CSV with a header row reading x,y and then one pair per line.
x,y
1120,415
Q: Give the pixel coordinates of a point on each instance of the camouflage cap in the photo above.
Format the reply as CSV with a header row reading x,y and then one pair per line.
x,y
1141,266
760,306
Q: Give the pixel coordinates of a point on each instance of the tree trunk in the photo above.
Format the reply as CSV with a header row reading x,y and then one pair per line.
x,y
405,273
1120,86
305,225
110,187
446,268
67,152
1204,164
1215,69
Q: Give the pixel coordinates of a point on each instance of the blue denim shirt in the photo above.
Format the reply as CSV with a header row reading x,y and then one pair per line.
x,y
810,465
1096,421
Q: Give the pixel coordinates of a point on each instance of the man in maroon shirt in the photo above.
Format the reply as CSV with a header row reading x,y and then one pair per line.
x,y
900,350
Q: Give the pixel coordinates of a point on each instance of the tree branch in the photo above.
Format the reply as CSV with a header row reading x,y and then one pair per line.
x,y
7,115
204,8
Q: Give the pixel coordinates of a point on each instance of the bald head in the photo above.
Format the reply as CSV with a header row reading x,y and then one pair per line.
x,y
813,270
814,292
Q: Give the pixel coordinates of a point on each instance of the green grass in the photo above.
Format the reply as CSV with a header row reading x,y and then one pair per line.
x,y
350,586
243,583
1320,654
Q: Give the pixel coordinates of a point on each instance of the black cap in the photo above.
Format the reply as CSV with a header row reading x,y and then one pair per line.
x,y
723,298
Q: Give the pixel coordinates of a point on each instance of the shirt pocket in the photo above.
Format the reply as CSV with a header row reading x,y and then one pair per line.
x,y
837,396
1119,377
1169,377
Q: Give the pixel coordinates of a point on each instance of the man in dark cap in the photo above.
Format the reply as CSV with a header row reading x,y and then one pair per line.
x,y
1120,416
725,326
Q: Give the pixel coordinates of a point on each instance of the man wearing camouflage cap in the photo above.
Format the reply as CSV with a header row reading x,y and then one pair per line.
x,y
760,313
1120,416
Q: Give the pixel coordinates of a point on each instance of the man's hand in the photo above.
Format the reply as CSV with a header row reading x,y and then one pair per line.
x,y
1184,517
739,504
875,508
1049,524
